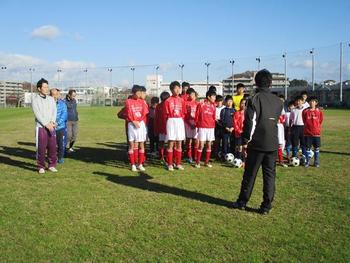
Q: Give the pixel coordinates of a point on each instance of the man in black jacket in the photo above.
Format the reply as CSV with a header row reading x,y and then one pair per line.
x,y
260,141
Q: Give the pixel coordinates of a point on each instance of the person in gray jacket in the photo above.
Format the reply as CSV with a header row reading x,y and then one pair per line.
x,y
72,121
44,108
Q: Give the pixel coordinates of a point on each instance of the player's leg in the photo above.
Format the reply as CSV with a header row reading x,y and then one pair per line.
x,y
208,153
178,155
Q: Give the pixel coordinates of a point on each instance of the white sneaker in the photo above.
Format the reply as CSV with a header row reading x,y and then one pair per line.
x,y
133,168
53,169
208,165
179,167
141,168
71,150
170,168
41,171
197,165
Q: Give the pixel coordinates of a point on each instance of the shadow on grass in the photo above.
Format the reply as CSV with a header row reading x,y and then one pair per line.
x,y
20,164
337,153
142,182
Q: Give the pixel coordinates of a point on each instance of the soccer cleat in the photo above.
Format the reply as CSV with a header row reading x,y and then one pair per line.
x,y
197,165
170,168
133,168
61,160
179,167
316,165
306,165
53,169
189,160
41,171
264,211
208,165
71,150
238,205
141,168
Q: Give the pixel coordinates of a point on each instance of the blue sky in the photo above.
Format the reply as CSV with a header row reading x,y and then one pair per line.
x,y
104,33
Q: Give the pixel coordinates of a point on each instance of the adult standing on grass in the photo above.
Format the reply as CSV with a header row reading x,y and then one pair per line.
x,y
72,121
61,120
44,108
260,141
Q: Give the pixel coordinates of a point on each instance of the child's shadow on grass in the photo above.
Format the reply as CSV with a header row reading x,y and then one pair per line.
x,y
11,162
143,182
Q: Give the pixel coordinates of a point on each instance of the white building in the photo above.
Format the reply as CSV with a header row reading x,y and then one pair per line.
x,y
13,91
156,86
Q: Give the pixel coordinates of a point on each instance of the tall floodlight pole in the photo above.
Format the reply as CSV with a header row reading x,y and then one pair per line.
x,y
58,77
157,80
232,62
86,84
285,75
207,64
3,69
312,52
133,75
110,70
181,66
258,59
341,71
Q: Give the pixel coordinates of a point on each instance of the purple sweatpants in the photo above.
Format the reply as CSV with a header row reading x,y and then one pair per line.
x,y
45,141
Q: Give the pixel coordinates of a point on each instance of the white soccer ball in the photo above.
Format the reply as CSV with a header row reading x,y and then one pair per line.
x,y
295,161
237,163
229,157
311,154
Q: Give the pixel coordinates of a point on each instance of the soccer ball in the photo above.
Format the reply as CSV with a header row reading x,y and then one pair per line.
x,y
311,154
229,157
237,163
295,161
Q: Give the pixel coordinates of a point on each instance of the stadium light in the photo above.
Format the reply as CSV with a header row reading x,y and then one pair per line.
x,y
181,66
157,80
285,75
110,70
258,59
133,75
3,68
207,64
232,62
58,77
312,52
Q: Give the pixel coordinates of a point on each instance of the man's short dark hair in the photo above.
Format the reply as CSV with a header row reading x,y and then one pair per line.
x,y
218,97
211,93
290,103
185,84
298,98
135,89
41,82
190,90
71,91
228,97
212,88
240,85
263,79
174,84
155,100
313,98
164,95
304,92
143,88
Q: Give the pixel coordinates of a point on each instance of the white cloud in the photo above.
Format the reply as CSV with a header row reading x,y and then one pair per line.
x,y
305,64
70,64
46,32
19,60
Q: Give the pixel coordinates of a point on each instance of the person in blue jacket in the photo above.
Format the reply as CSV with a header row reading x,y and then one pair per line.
x,y
61,121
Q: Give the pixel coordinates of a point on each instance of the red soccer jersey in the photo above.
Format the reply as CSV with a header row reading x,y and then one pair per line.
x,y
238,120
175,107
312,122
191,107
136,110
205,115
184,97
160,119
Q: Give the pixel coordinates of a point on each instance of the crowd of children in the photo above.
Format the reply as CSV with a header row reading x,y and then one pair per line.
x,y
180,123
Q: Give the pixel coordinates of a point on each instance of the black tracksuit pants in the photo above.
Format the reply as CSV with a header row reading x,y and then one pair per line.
x,y
254,160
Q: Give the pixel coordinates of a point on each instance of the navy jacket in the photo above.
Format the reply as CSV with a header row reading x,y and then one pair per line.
x,y
226,117
72,110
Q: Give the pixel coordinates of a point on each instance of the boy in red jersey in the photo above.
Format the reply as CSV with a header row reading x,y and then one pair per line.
x,y
313,118
160,124
205,121
184,94
190,125
238,120
136,112
175,128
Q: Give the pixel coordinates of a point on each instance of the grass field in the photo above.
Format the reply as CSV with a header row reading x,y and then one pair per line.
x,y
95,209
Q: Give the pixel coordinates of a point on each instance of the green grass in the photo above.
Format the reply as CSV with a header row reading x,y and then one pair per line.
x,y
95,209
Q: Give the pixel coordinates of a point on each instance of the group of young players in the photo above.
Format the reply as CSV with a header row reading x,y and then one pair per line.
x,y
181,123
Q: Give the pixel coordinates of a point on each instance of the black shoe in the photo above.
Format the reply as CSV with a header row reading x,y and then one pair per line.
x,y
238,205
264,211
